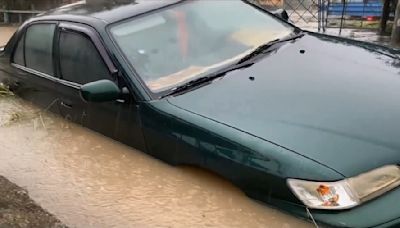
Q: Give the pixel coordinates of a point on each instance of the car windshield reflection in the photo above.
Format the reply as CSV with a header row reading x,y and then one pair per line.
x,y
178,44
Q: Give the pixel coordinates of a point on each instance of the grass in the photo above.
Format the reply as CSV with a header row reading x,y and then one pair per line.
x,y
15,116
4,91
20,115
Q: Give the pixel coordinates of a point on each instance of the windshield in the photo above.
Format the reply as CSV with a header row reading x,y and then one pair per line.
x,y
176,45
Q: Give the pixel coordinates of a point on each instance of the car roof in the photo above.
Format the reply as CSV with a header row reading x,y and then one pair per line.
x,y
107,11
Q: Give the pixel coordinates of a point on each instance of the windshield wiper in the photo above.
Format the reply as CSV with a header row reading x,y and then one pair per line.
x,y
242,63
206,79
264,47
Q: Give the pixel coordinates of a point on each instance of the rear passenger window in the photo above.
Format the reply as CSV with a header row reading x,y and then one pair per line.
x,y
19,52
80,61
39,48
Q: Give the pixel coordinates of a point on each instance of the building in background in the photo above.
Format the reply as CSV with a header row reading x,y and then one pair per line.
x,y
32,4
16,11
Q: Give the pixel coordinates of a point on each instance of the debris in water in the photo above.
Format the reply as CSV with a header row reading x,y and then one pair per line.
x,y
4,91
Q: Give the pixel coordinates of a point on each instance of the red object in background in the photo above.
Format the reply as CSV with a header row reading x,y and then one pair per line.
x,y
370,18
183,35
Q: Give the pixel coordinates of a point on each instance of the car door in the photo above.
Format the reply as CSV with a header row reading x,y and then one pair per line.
x,y
34,77
84,59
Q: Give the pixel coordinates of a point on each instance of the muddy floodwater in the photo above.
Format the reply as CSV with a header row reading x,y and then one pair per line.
x,y
88,180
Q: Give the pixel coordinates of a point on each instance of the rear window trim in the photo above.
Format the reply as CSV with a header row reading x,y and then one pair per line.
x,y
46,76
22,35
71,27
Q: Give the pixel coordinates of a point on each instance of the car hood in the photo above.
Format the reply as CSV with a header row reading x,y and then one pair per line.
x,y
333,100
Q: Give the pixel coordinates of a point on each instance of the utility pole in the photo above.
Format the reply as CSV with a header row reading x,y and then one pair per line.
x,y
395,39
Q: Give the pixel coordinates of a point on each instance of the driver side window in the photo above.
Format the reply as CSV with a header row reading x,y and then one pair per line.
x,y
80,62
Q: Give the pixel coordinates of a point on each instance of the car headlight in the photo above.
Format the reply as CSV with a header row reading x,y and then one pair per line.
x,y
346,193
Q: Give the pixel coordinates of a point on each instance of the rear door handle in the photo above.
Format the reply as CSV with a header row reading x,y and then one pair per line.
x,y
66,105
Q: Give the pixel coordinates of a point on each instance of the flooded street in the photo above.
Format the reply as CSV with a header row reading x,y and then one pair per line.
x,y
88,180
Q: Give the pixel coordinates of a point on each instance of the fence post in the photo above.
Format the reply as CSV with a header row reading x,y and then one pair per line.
x,y
384,17
319,15
6,18
395,39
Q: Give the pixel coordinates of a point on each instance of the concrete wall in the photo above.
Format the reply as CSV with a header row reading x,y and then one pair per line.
x,y
26,5
32,4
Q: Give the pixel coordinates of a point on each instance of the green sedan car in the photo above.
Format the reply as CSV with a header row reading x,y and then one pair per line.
x,y
304,122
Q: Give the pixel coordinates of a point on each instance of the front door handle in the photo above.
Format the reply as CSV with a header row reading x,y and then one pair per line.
x,y
66,105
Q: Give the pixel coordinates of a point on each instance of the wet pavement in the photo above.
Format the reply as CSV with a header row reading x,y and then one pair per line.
x,y
87,180
368,35
362,34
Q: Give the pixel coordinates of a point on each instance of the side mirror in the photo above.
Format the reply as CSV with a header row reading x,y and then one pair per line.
x,y
281,13
100,91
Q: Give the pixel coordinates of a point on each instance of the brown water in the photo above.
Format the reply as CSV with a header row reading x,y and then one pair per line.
x,y
5,34
88,180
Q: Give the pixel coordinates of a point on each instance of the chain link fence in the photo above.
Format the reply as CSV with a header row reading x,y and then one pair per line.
x,y
316,15
303,13
356,19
